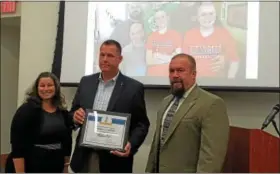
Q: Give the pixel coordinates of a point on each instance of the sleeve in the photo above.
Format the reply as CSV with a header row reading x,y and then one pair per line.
x,y
151,162
141,128
231,50
76,103
67,141
214,139
149,43
21,122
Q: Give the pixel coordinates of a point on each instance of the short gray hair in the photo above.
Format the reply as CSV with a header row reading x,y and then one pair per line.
x,y
190,58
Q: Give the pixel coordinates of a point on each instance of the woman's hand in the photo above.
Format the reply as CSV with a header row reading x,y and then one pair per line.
x,y
19,165
66,164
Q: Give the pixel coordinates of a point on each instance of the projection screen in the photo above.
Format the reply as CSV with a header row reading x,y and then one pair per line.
x,y
233,43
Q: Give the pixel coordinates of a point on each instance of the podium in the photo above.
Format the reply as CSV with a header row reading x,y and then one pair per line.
x,y
252,151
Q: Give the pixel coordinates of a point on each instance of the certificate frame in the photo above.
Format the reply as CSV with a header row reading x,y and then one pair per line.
x,y
98,145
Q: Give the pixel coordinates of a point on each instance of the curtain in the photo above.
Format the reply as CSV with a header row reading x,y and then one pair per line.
x,y
57,59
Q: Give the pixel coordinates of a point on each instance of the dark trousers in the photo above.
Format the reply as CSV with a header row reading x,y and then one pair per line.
x,y
107,163
112,164
40,161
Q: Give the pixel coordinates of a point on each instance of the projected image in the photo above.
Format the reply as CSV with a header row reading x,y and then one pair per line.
x,y
162,44
212,45
219,35
134,61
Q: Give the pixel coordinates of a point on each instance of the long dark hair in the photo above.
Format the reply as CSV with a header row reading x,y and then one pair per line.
x,y
58,99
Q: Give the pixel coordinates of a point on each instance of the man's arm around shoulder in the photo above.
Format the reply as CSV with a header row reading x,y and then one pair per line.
x,y
214,138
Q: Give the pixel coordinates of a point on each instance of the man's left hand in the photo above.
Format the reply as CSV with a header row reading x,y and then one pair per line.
x,y
123,154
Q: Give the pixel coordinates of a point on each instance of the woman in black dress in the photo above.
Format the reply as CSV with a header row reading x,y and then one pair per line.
x,y
41,135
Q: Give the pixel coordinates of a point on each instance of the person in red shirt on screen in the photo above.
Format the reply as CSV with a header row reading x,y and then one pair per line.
x,y
161,46
212,46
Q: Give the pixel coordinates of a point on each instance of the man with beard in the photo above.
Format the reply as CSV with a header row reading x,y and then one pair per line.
x,y
192,129
121,32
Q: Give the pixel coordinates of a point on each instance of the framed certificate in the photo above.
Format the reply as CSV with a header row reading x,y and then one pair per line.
x,y
105,130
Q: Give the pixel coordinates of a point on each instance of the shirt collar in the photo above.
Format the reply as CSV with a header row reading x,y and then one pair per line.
x,y
188,91
113,79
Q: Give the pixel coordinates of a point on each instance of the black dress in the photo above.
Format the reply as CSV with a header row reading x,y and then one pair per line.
x,y
43,139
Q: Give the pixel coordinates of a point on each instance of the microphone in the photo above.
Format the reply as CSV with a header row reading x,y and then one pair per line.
x,y
271,116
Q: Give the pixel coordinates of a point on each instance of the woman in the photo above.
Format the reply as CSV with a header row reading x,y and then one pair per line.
x,y
41,135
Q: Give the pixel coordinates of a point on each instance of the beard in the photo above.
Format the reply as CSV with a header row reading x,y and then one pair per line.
x,y
177,91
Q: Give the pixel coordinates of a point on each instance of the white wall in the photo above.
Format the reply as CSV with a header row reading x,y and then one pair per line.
x,y
37,42
9,78
38,32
